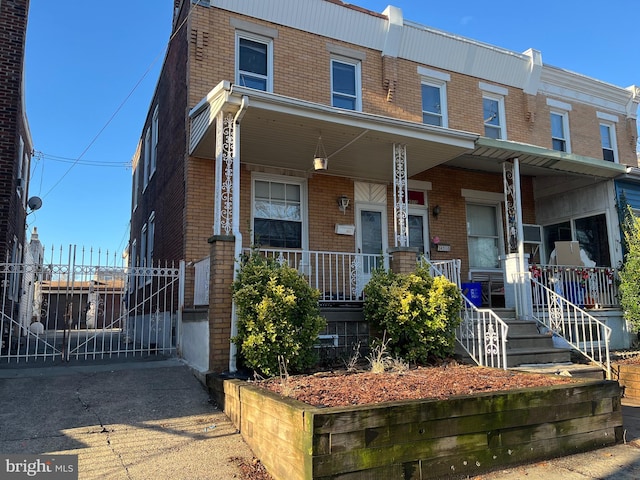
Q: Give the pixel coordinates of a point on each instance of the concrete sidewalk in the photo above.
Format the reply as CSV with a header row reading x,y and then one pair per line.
x,y
134,420
153,420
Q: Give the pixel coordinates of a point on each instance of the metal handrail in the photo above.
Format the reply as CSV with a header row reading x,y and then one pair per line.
x,y
481,333
579,329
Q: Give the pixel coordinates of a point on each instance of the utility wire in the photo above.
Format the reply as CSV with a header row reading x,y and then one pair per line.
x,y
135,87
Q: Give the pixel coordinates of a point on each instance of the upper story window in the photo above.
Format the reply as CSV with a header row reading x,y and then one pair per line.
x,y
146,172
493,112
608,136
559,129
254,54
278,205
254,62
493,117
434,96
560,139
345,84
154,141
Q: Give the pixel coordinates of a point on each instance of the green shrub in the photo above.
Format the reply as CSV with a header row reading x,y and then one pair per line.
x,y
418,313
630,273
278,315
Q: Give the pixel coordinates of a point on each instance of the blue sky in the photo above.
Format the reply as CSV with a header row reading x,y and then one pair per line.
x,y
91,68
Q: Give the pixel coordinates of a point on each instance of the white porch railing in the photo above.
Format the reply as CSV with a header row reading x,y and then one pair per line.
x,y
564,318
481,333
339,276
588,287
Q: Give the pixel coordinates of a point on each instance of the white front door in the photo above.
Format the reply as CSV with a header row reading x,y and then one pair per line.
x,y
419,230
371,237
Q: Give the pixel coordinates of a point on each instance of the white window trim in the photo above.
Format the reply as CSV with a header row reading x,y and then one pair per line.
x,y
501,112
558,105
256,38
154,142
565,126
612,133
136,183
494,89
442,86
150,241
358,80
147,158
304,205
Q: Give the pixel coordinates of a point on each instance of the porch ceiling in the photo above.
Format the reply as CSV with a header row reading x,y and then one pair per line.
x,y
534,161
283,133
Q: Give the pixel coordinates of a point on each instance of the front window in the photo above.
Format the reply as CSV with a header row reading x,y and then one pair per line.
x,y
434,104
483,237
608,142
154,142
253,63
560,132
277,216
493,113
591,235
345,84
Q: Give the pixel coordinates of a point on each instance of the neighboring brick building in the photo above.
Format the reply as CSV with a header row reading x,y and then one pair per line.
x,y
416,125
15,139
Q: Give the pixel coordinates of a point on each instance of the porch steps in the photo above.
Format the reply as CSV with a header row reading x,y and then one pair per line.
x,y
576,370
526,345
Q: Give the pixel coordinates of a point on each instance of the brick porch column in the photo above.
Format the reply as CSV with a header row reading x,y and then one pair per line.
x,y
222,259
403,259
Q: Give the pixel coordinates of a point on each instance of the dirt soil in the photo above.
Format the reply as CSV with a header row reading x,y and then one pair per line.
x,y
334,389
341,388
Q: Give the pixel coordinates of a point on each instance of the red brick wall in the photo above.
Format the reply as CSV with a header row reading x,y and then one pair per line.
x,y
13,24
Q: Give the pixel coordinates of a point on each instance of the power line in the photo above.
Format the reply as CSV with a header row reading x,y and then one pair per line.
x,y
78,160
93,163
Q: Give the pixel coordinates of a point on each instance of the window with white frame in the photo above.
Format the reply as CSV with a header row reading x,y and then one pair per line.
x,y
483,236
560,131
147,158
136,183
493,115
608,140
151,227
143,246
434,107
254,60
154,142
346,91
133,262
20,180
278,212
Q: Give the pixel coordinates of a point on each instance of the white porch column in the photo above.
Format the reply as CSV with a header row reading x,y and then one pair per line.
x,y
400,195
224,175
517,278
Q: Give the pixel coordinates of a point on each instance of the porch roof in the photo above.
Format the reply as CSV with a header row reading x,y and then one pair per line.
x,y
490,153
284,133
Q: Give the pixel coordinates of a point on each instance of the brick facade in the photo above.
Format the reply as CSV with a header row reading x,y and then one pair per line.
x,y
182,193
13,127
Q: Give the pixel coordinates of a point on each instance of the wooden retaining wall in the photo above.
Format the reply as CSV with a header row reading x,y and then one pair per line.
x,y
464,435
629,378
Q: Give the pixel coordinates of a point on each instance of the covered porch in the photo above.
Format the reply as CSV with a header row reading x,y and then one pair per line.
x,y
380,184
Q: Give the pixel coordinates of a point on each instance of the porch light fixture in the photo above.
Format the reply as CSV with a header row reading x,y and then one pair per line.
x,y
320,159
343,203
436,211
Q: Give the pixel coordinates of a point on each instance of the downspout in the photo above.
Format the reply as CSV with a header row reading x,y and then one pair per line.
x,y
235,226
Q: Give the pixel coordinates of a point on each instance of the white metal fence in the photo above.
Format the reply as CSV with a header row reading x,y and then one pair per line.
x,y
84,307
562,317
588,287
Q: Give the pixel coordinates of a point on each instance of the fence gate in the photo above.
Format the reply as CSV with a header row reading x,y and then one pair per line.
x,y
80,309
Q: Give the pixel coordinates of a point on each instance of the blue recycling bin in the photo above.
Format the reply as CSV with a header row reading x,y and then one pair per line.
x,y
473,292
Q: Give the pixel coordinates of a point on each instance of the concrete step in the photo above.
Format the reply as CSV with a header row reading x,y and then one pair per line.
x,y
577,370
522,327
529,341
522,356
